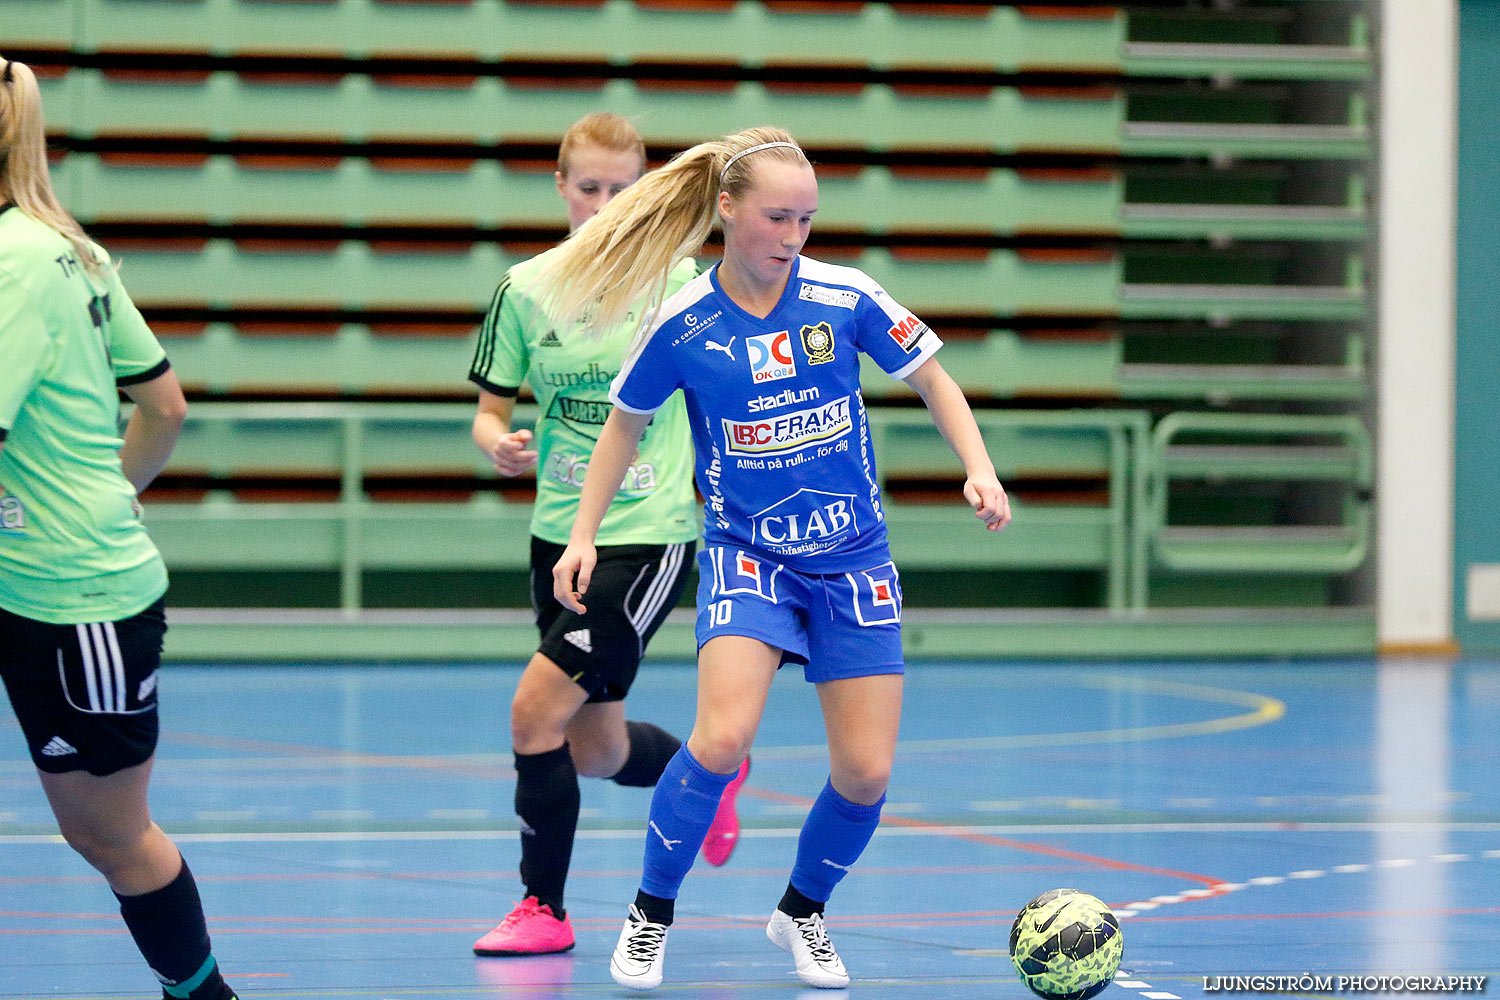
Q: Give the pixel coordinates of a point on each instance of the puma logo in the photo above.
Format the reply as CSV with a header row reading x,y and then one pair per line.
x,y
709,345
835,864
657,830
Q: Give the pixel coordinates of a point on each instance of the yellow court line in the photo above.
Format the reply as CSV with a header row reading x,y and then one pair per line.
x,y
1263,710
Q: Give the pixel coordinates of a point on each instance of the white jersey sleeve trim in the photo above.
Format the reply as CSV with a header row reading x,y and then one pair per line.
x,y
930,344
615,399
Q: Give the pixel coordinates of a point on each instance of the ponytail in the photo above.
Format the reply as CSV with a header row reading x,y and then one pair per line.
x,y
628,250
24,176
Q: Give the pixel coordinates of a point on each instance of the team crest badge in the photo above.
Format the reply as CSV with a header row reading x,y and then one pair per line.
x,y
817,343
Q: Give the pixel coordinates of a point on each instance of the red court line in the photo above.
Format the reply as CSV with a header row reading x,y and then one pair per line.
x,y
1016,845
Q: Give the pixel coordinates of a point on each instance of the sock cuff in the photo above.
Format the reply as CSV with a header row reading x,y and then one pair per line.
x,y
703,775
852,811
180,881
545,759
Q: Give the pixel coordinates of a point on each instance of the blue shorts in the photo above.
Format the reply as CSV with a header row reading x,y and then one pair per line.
x,y
835,624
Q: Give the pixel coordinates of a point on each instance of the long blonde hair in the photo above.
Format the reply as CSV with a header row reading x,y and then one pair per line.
x,y
628,250
24,176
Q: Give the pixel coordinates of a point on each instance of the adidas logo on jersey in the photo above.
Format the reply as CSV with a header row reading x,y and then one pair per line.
x,y
580,638
550,340
58,747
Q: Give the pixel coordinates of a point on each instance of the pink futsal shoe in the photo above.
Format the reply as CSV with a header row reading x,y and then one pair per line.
x,y
530,929
724,831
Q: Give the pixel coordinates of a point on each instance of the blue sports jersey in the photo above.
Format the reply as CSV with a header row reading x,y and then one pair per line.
x,y
784,460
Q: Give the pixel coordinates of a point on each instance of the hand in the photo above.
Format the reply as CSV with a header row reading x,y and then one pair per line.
x,y
987,497
510,455
577,561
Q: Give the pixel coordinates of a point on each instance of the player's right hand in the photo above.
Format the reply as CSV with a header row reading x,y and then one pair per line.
x,y
510,454
575,564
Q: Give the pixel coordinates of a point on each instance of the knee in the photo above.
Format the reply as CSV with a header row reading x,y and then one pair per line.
x,y
720,750
863,784
533,727
110,852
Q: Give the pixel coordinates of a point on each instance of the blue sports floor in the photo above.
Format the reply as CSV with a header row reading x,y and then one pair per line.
x,y
352,834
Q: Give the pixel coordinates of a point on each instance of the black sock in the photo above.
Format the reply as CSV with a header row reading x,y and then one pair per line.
x,y
168,927
650,749
656,909
794,904
547,802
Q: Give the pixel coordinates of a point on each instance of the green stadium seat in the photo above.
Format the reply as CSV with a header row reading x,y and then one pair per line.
x,y
1003,38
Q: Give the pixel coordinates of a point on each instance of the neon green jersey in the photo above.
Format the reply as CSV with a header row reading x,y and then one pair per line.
x,y
72,548
569,374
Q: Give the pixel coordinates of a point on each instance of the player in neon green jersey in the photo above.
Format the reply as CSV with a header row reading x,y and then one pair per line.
x,y
568,715
81,585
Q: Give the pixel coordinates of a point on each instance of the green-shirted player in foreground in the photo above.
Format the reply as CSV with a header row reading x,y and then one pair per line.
x,y
81,585
568,714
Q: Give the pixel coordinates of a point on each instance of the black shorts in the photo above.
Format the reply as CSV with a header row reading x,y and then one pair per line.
x,y
85,695
630,593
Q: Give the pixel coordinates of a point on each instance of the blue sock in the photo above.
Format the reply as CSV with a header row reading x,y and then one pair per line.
x,y
833,837
682,807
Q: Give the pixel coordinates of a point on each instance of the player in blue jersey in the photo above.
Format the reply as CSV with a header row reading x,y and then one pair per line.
x,y
81,584
795,568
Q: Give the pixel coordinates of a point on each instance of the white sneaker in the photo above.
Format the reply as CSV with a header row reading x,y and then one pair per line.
x,y
636,963
807,939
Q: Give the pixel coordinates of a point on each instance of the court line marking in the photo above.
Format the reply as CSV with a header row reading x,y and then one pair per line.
x,y
784,832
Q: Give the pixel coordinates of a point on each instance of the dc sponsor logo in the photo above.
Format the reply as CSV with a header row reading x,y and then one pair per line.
x,y
907,332
789,432
771,356
877,595
817,343
840,297
807,521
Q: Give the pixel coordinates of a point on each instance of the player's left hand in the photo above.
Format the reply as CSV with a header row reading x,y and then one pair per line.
x,y
987,497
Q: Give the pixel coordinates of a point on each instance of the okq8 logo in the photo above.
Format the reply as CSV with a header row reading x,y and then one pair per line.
x,y
771,356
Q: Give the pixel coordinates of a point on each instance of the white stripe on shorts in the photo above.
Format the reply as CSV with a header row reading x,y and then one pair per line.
x,y
656,593
86,647
113,639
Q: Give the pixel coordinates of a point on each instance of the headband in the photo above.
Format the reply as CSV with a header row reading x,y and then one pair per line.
x,y
756,149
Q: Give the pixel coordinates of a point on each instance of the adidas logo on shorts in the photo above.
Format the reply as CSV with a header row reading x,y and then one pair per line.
x,y
580,638
58,747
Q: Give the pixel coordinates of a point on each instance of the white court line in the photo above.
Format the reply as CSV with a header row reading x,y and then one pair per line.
x,y
634,830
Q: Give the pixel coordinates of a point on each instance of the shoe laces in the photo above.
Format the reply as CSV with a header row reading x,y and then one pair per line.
x,y
526,908
815,936
645,941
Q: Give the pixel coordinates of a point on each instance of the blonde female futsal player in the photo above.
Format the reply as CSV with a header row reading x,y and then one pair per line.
x,y
81,585
795,568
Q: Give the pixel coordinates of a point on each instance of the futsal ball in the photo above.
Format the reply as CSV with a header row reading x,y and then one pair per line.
x,y
1066,945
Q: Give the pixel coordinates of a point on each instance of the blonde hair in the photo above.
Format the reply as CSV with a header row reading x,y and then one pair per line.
x,y
605,130
24,176
628,250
